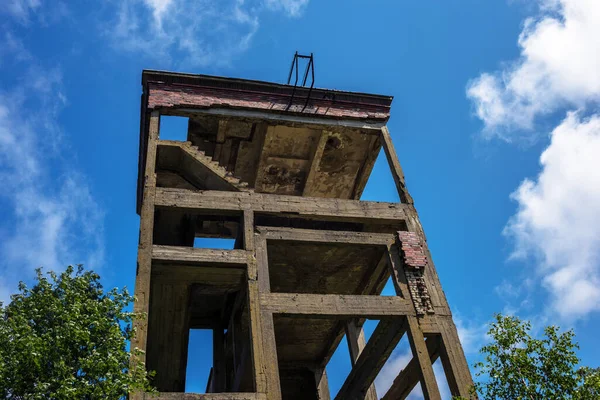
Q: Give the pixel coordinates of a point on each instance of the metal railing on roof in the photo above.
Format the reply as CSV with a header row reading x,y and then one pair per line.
x,y
310,67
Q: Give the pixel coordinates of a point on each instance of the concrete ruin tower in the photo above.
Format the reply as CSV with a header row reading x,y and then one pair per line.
x,y
280,169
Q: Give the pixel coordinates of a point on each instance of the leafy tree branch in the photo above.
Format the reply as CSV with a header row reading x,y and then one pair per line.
x,y
65,338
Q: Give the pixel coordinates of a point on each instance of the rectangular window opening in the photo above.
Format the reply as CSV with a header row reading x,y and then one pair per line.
x,y
347,269
173,128
214,243
199,360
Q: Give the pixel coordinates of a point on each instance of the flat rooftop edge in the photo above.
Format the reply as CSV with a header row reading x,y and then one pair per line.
x,y
178,78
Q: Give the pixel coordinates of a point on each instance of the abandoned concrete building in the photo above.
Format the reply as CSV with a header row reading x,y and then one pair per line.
x,y
281,169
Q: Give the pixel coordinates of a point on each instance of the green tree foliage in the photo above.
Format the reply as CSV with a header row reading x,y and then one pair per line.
x,y
517,366
66,338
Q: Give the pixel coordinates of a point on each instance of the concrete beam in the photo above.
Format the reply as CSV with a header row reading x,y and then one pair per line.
x,y
335,209
334,305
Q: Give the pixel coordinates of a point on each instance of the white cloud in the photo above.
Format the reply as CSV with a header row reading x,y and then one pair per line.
x,y
557,222
41,12
186,33
12,47
559,66
293,8
396,363
50,218
472,335
440,376
158,7
558,217
398,360
518,296
507,290
191,33
22,9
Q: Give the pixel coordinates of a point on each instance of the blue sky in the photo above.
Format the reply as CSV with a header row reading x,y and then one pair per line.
x,y
495,120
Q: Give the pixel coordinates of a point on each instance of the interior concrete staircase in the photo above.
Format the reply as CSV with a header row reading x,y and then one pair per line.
x,y
213,165
196,167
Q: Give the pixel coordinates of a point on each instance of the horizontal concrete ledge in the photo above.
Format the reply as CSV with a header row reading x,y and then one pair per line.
x,y
339,209
325,236
334,305
192,255
210,396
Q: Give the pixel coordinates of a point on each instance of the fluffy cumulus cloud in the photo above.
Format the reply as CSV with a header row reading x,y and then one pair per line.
x,y
559,66
50,218
557,222
558,218
192,33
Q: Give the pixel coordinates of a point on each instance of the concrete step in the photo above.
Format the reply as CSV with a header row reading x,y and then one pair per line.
x,y
215,166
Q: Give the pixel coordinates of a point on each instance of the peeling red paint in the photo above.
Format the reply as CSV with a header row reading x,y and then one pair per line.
x,y
163,95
